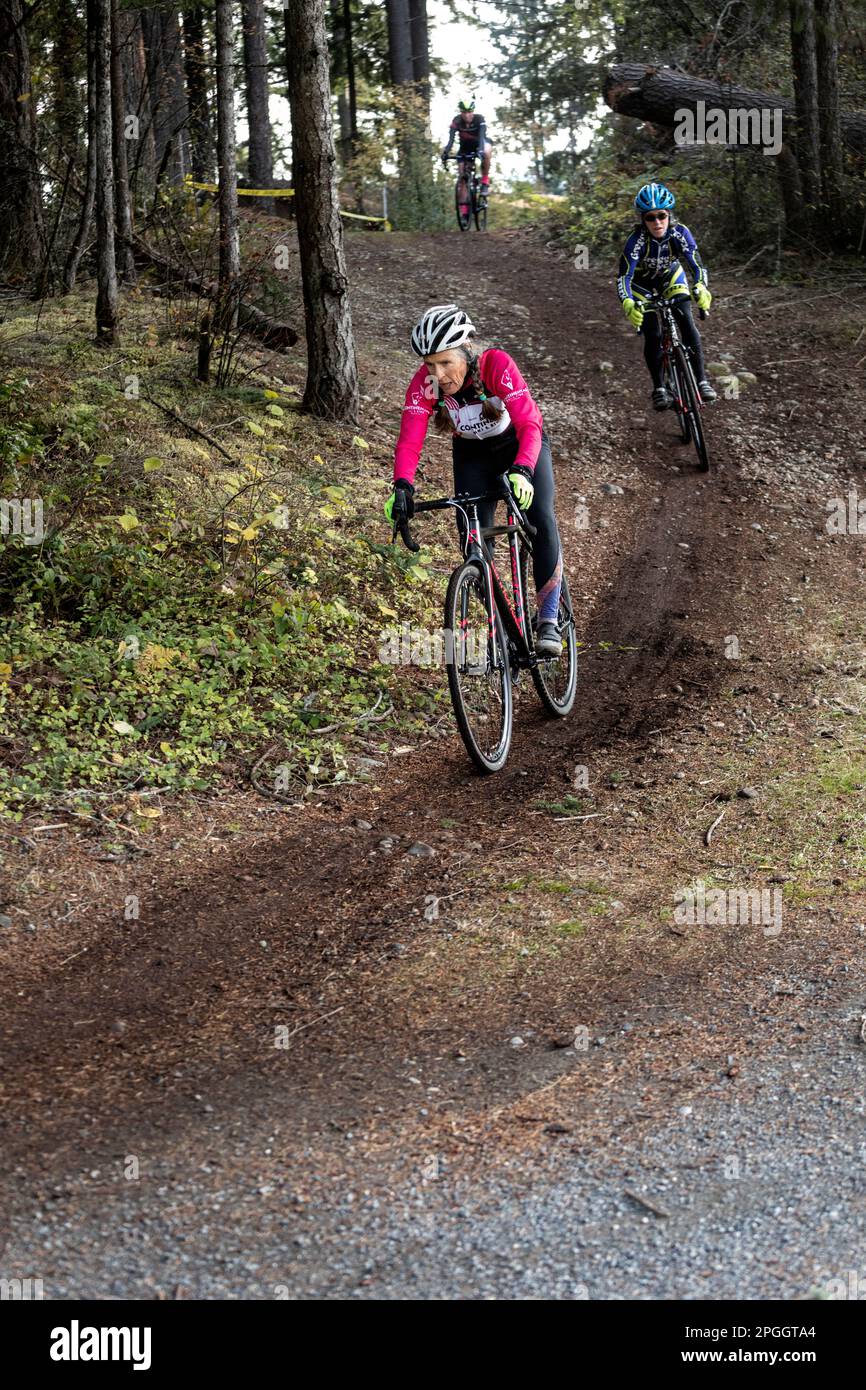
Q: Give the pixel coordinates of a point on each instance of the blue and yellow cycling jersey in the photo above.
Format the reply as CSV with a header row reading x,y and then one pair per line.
x,y
650,263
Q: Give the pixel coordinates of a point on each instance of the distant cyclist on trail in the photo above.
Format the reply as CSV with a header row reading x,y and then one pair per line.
x,y
652,261
470,128
483,402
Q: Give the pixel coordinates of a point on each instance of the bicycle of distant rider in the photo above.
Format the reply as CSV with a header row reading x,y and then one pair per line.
x,y
474,196
679,377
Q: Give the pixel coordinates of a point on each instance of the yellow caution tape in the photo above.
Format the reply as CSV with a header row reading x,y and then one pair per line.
x,y
362,217
279,193
245,192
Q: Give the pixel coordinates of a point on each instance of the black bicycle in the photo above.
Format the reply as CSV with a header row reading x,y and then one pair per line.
x,y
473,198
487,634
679,377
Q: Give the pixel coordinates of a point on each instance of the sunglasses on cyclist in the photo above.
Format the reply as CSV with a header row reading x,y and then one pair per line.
x,y
655,217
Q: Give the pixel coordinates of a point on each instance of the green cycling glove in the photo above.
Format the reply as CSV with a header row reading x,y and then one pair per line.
x,y
703,298
633,312
400,505
523,490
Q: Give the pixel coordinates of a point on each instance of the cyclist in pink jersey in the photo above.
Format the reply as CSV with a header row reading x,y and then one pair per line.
x,y
482,400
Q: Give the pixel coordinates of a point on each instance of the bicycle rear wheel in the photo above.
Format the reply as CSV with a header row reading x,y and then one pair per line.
x,y
555,678
693,406
478,675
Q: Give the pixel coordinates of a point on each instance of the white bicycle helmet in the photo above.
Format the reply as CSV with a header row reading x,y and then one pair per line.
x,y
443,326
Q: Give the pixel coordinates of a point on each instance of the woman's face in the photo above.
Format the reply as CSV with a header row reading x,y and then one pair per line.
x,y
656,223
448,370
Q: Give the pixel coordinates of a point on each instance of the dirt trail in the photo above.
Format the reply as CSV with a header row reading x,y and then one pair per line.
x,y
157,1040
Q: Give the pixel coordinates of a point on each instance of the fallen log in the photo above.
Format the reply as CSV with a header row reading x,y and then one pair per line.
x,y
660,95
279,336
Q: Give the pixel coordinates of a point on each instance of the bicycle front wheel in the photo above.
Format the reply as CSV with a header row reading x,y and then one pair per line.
x,y
478,675
463,219
693,406
674,383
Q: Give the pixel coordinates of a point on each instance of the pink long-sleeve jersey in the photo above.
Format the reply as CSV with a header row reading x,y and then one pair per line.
x,y
504,385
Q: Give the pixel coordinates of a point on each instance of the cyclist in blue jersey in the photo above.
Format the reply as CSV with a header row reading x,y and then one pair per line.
x,y
652,260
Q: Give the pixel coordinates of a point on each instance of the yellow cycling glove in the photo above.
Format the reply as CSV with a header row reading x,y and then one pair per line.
x,y
633,312
523,490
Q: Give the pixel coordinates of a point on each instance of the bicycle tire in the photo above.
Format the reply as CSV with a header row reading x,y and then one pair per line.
x,y
479,212
486,762
694,408
542,675
674,385
462,222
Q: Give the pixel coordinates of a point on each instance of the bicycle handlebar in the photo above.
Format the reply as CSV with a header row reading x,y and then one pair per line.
x,y
652,306
405,535
463,500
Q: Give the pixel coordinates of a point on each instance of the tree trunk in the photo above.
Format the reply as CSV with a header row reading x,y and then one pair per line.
x,y
230,253
345,120
176,108
399,43
76,250
804,64
260,162
337,47
332,373
68,42
420,52
151,23
22,232
658,94
830,127
165,78
134,64
122,204
413,203
195,59
790,185
350,72
106,272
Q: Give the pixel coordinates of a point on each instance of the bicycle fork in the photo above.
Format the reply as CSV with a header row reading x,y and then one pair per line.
x,y
474,552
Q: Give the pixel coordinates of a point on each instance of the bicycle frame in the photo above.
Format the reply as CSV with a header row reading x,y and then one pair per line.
x,y
670,333
513,615
517,528
466,168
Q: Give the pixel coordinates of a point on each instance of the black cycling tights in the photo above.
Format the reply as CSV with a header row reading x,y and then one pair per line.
x,y
652,342
476,467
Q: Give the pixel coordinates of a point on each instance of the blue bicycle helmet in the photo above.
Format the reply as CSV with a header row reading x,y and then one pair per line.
x,y
654,197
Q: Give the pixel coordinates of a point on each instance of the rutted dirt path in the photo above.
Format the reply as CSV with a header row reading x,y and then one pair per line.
x,y
422,1054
